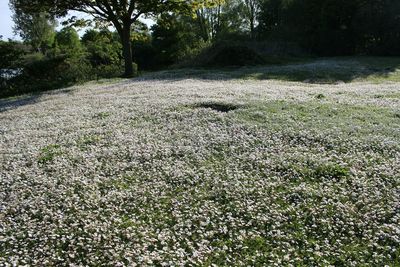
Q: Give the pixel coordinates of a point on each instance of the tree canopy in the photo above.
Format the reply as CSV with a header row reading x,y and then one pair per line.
x,y
37,29
121,13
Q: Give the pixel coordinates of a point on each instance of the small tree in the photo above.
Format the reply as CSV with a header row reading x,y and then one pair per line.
x,y
121,13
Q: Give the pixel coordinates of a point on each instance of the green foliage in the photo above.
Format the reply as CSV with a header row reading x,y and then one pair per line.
x,y
101,48
377,25
103,51
57,71
88,140
10,53
227,54
68,41
175,39
35,28
67,63
144,53
224,18
121,14
233,55
329,172
334,27
102,115
49,153
39,73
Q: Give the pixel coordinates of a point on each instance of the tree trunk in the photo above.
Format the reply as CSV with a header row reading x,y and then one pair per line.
x,y
252,31
127,50
252,20
202,25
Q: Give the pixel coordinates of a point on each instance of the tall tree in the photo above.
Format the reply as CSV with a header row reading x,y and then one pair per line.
x,y
252,10
222,18
209,19
36,29
121,13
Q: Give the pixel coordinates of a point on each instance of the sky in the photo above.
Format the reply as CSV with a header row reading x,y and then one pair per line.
x,y
6,23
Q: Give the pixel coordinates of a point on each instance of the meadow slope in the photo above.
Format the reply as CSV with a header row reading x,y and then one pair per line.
x,y
200,172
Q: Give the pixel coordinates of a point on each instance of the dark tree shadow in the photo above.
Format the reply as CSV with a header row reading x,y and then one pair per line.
x,y
8,104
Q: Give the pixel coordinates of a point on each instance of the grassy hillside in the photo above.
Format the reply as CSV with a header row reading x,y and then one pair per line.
x,y
230,172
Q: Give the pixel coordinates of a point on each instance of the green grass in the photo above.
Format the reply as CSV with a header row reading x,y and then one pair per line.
x,y
49,153
88,140
102,115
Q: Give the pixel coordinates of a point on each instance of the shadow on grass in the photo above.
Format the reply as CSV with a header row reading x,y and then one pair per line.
x,y
10,103
318,71
28,98
217,106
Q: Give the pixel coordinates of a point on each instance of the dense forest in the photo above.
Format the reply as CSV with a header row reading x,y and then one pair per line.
x,y
217,34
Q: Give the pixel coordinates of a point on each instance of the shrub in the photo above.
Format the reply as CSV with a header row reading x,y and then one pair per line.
x,y
225,55
41,73
235,56
57,71
144,54
108,71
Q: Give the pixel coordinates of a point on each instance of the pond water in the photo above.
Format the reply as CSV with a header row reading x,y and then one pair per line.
x,y
10,73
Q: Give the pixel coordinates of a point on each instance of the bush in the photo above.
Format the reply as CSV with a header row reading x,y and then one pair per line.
x,y
174,40
108,71
144,54
225,55
41,73
235,56
59,70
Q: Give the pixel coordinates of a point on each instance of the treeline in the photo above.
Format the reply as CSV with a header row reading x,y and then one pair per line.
x,y
226,32
316,27
61,59
334,27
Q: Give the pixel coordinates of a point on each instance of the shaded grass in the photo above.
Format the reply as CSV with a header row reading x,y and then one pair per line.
x,y
322,70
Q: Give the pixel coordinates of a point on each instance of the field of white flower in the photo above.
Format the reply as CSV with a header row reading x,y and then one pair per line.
x,y
197,172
